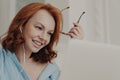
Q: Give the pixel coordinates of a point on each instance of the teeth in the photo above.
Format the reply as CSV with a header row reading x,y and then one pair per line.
x,y
38,43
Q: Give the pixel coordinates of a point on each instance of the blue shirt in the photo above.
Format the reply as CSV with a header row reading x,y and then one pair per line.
x,y
10,69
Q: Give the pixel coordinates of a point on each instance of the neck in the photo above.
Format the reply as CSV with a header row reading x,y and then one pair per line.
x,y
23,55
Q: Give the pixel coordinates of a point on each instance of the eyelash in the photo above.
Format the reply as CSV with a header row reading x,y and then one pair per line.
x,y
38,27
49,33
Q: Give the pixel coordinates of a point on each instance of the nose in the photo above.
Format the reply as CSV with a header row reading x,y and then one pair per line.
x,y
43,37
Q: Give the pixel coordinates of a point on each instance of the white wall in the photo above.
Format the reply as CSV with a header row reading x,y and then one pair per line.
x,y
7,11
93,21
97,22
114,16
21,3
101,21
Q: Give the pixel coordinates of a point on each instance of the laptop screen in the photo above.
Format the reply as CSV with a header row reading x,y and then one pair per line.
x,y
91,61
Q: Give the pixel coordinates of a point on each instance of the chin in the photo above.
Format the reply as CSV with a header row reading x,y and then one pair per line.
x,y
35,51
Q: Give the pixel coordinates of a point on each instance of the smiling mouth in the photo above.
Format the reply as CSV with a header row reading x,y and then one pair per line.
x,y
37,43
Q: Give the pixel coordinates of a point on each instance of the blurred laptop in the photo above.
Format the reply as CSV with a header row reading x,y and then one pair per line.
x,y
91,61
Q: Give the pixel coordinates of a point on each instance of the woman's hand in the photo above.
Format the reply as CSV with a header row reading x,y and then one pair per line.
x,y
76,31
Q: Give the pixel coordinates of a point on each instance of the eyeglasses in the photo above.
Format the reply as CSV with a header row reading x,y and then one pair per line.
x,y
77,20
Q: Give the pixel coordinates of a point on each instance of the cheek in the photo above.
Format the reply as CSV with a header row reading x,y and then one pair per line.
x,y
30,33
48,41
28,36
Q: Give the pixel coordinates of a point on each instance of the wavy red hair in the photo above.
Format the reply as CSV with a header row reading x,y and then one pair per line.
x,y
14,37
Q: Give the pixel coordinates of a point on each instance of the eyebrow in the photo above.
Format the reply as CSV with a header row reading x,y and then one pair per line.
x,y
44,26
40,23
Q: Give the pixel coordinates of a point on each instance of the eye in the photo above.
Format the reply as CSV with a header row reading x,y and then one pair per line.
x,y
38,27
50,33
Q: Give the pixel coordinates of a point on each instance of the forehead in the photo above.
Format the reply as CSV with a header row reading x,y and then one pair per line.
x,y
44,17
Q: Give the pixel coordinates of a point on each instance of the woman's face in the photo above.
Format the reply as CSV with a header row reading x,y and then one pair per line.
x,y
38,30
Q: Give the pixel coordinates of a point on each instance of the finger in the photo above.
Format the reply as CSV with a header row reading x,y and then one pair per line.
x,y
75,34
76,25
72,35
74,31
77,30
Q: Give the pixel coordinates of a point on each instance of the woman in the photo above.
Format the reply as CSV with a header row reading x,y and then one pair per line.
x,y
27,51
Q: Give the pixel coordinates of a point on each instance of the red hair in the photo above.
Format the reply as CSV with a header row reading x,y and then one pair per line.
x,y
14,37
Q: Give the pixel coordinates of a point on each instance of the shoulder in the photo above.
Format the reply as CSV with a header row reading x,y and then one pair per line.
x,y
1,58
56,71
2,51
4,54
52,67
51,71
